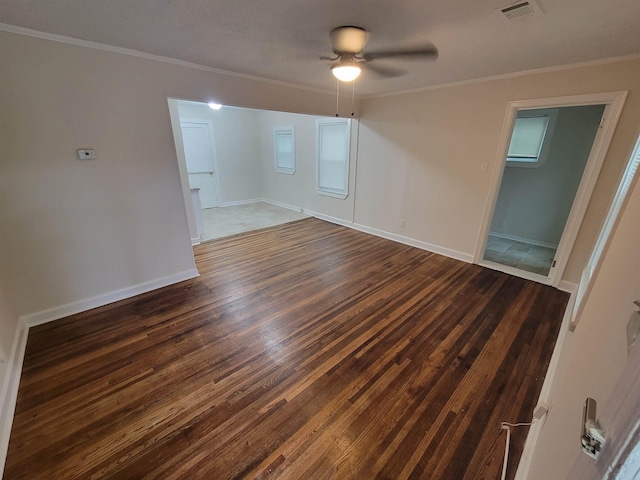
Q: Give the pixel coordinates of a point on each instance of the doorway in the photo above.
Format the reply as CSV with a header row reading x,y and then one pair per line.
x,y
547,155
261,179
501,216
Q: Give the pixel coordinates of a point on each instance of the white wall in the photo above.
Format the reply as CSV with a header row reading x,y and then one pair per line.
x,y
10,361
597,352
8,325
182,168
419,160
236,139
299,189
535,202
420,154
74,230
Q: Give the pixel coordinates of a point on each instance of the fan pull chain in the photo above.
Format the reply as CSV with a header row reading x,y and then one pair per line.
x,y
353,95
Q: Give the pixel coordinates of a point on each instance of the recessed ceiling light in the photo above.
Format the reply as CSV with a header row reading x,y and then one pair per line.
x,y
215,106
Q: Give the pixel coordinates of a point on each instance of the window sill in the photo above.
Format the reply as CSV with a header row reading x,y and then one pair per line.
x,y
326,193
517,164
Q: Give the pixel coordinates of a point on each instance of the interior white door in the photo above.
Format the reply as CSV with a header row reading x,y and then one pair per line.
x,y
540,184
199,153
619,458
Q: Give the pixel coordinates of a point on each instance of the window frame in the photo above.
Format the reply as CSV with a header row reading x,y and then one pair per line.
x,y
287,130
323,190
551,114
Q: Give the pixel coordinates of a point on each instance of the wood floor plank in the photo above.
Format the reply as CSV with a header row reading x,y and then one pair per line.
x,y
306,350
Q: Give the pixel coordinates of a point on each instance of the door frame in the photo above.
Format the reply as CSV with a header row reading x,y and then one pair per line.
x,y
212,147
614,102
592,265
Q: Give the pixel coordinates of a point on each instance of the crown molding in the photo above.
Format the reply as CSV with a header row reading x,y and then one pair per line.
x,y
148,56
172,61
557,68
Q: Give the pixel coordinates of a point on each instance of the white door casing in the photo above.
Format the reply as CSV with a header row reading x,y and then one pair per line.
x,y
613,102
601,244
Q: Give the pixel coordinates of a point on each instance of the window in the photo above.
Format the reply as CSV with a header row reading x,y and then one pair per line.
x,y
284,150
333,137
527,139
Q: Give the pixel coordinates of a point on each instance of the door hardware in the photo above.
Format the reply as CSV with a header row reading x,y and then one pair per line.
x,y
593,437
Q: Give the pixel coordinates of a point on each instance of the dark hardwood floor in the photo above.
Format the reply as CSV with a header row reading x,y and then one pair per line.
x,y
306,350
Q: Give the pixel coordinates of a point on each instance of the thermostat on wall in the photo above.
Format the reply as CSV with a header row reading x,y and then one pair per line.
x,y
86,154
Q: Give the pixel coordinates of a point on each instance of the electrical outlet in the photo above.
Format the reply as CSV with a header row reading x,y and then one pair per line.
x,y
502,223
402,223
484,167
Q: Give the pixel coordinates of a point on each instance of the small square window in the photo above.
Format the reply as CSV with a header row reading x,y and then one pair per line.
x,y
527,139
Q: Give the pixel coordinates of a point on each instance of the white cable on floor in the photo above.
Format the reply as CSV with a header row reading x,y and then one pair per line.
x,y
507,426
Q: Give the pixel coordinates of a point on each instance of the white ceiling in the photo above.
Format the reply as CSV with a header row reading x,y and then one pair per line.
x,y
283,39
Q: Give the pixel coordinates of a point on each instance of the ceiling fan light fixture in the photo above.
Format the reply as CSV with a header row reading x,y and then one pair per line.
x,y
346,71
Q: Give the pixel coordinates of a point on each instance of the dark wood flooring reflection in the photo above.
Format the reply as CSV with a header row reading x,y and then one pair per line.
x,y
306,350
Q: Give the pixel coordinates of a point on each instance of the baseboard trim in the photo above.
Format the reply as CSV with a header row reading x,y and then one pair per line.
x,y
283,205
524,467
524,240
72,308
516,272
447,252
9,393
568,287
329,218
195,241
265,200
241,202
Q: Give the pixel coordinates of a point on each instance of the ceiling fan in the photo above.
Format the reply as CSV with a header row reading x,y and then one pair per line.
x,y
348,44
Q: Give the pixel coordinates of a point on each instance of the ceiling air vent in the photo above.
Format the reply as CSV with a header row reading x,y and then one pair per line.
x,y
521,10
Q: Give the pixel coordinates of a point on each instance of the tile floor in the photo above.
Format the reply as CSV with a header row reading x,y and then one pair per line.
x,y
524,256
225,221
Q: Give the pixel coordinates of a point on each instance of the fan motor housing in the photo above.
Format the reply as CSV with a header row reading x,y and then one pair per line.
x,y
348,39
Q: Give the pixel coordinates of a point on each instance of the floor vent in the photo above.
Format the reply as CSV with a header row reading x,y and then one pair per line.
x,y
520,10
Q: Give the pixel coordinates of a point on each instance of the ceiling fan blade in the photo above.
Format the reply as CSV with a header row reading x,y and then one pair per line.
x,y
380,71
429,52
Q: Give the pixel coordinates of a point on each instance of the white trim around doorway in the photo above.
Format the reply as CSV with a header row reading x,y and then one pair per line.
x,y
613,101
